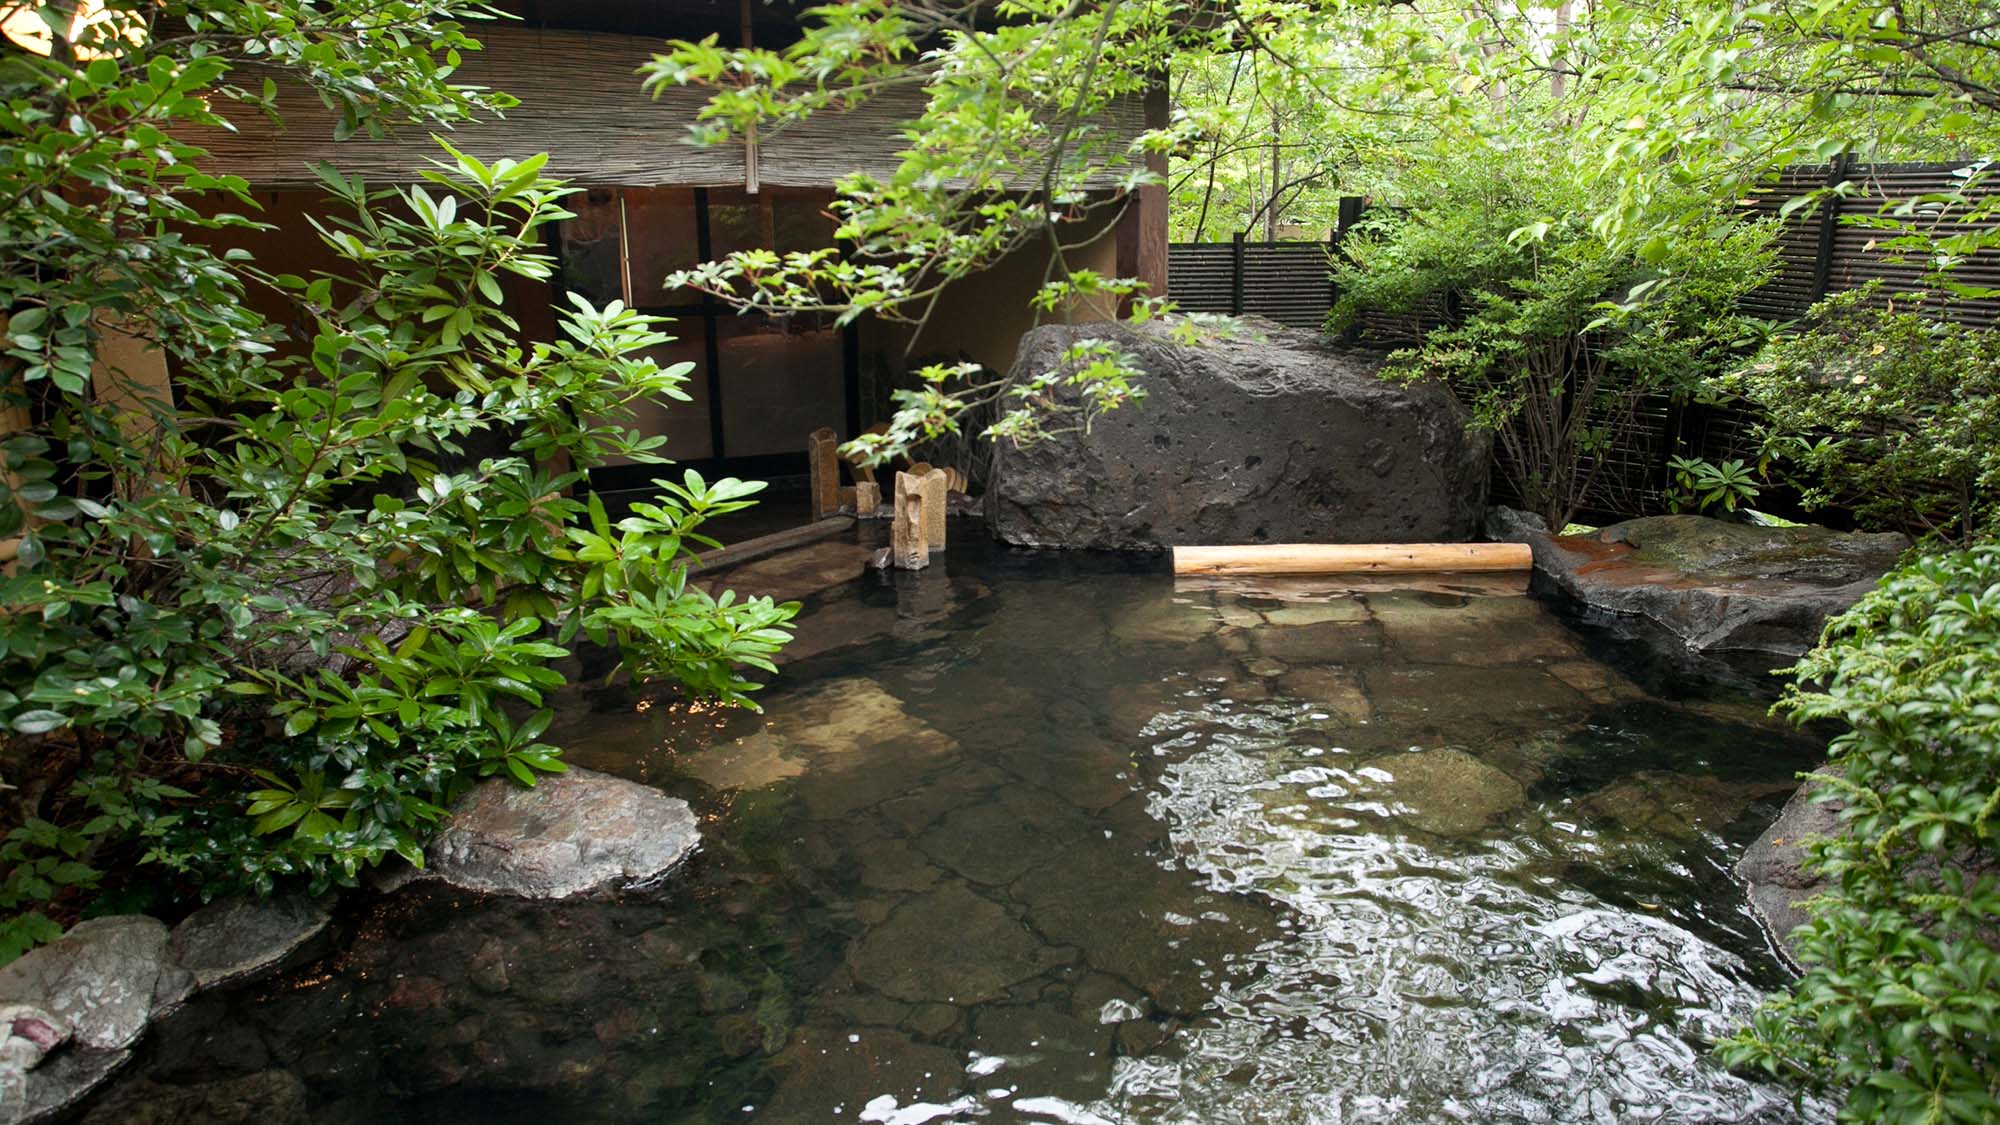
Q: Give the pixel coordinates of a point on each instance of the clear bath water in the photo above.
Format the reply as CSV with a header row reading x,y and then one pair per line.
x,y
1032,837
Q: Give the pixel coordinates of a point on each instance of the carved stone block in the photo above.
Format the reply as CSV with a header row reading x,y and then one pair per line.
x,y
907,544
823,460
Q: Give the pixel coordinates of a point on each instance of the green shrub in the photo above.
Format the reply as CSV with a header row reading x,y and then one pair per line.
x,y
1552,337
1900,1001
1886,410
264,632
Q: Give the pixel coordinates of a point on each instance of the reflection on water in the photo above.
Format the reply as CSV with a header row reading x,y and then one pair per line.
x,y
1035,838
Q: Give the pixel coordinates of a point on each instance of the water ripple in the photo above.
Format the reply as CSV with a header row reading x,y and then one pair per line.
x,y
1428,975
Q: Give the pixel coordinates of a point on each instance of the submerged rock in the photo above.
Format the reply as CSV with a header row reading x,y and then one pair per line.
x,y
823,1059
268,1097
1718,587
1660,808
1449,791
1271,435
948,946
573,833
1773,867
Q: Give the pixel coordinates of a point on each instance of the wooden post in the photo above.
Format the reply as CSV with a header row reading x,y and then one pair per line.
x,y
907,548
932,486
1829,225
867,498
1236,274
1141,233
823,460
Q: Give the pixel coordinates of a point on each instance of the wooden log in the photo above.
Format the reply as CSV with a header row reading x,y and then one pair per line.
x,y
867,498
933,485
907,547
823,461
764,546
1350,558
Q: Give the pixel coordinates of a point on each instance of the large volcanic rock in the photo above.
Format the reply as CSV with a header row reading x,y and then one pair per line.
x,y
1268,436
1773,868
1720,588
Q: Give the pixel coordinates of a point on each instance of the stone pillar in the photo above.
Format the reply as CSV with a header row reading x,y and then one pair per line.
x,y
908,548
867,498
823,460
932,486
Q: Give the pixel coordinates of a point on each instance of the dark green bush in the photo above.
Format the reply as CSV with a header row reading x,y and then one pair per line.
x,y
1551,336
1900,1001
1888,410
265,631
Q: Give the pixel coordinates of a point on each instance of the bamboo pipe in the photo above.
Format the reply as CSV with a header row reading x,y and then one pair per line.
x,y
1350,558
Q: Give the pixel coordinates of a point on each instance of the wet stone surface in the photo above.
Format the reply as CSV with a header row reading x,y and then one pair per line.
x,y
1051,839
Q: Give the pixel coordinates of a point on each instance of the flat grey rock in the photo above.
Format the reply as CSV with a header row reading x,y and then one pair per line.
x,y
1270,436
103,979
57,1086
1719,588
573,833
236,939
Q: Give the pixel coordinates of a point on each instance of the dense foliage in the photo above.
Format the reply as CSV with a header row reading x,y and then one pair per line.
x,y
1552,342
1901,994
264,627
1888,410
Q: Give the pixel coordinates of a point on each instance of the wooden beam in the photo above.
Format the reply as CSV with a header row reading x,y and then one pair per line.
x,y
765,546
1350,558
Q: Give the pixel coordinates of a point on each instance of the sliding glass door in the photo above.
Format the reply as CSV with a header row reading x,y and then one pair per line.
x,y
761,384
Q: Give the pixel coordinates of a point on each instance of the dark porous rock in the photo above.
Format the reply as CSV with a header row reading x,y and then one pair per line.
x,y
236,939
572,833
1720,588
1511,525
1269,435
1773,867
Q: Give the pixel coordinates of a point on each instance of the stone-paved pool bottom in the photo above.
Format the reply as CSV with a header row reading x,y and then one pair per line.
x,y
1059,842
